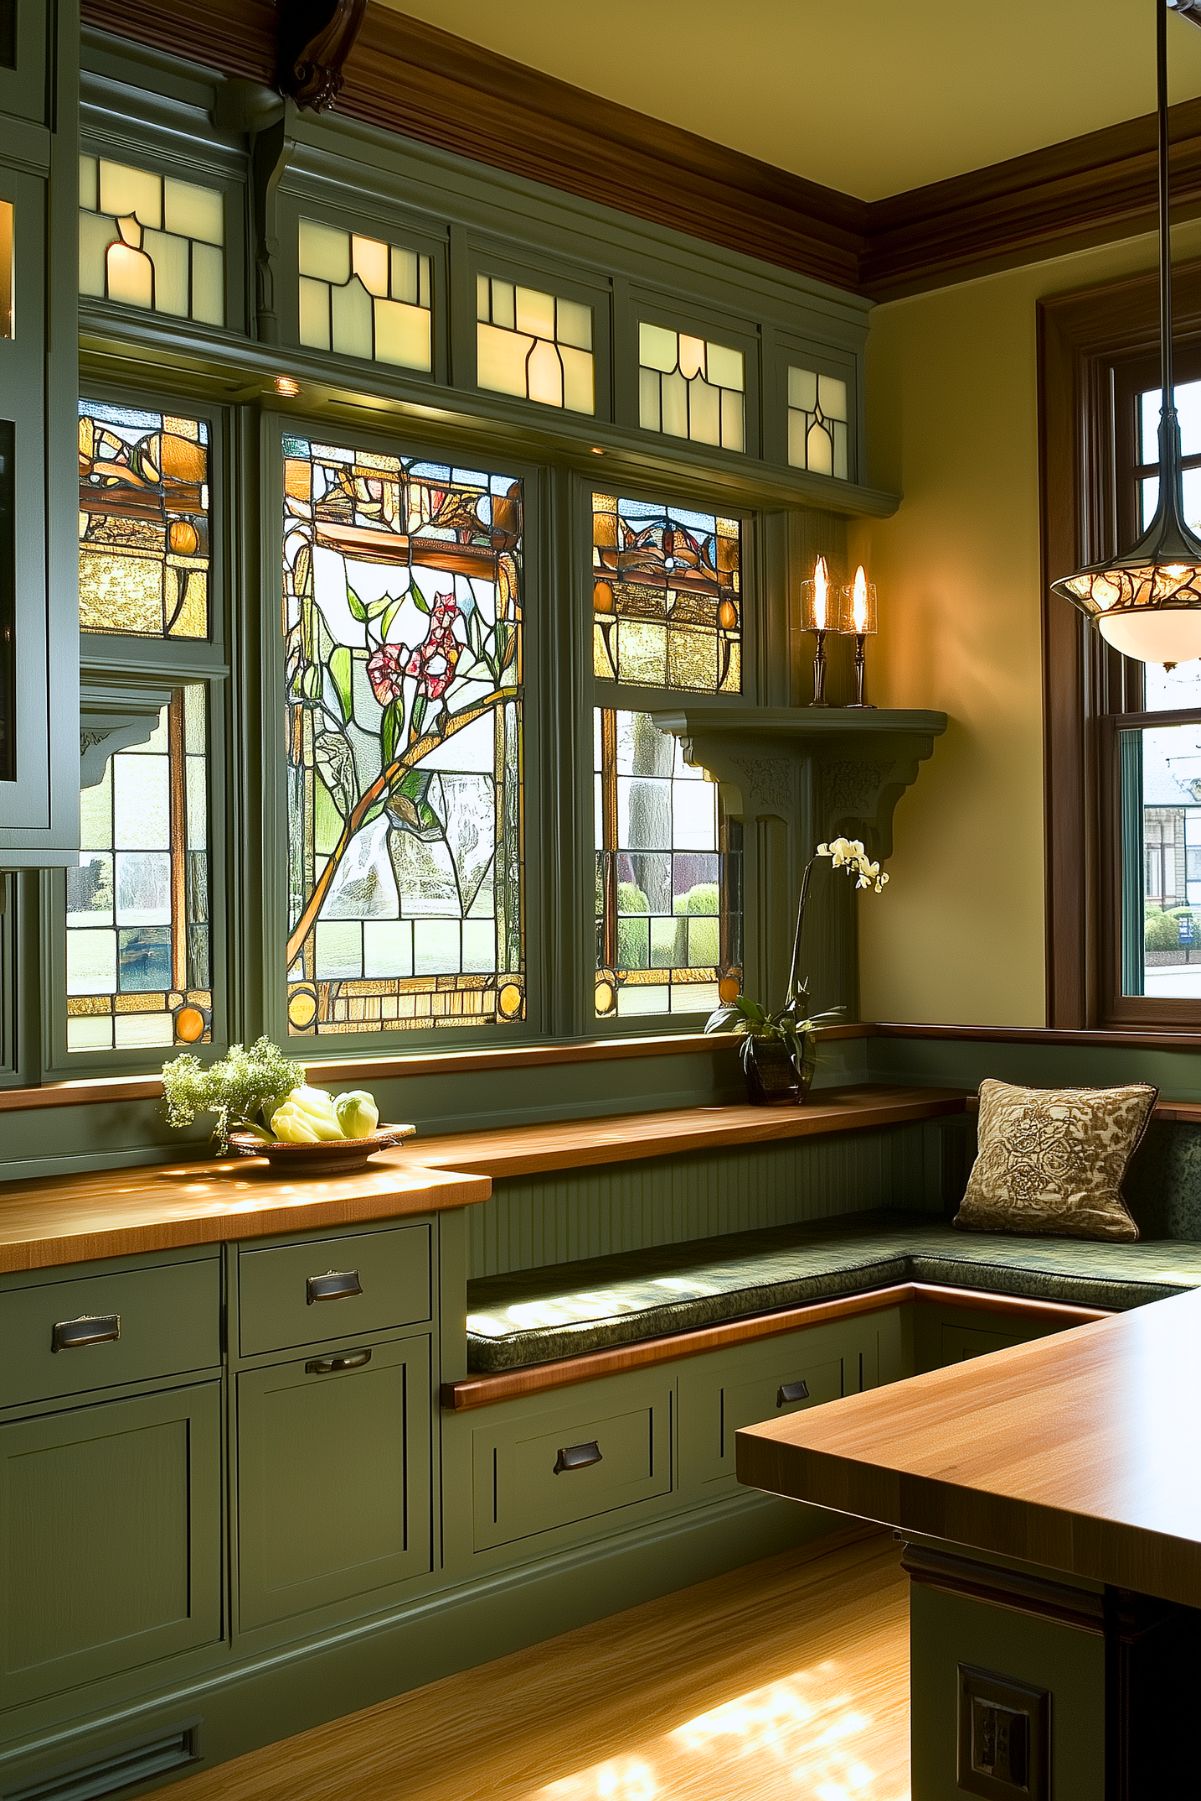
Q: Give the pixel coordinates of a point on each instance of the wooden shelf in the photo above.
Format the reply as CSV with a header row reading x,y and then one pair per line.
x,y
625,1137
865,758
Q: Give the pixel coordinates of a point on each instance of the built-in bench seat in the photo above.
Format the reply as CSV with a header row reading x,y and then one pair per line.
x,y
569,1310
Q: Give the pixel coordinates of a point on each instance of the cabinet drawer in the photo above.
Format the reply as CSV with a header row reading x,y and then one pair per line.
x,y
548,1470
349,1434
721,1393
64,1338
298,1294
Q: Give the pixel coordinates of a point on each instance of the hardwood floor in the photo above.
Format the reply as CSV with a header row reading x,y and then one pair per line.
x,y
787,1679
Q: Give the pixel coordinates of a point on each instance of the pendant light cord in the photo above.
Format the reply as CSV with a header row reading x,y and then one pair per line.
x,y
1165,214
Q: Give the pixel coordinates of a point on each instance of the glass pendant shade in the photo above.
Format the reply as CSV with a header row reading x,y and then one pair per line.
x,y
1147,603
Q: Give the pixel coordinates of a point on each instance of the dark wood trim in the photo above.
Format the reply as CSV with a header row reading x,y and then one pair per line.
x,y
1119,1038
410,77
471,1392
1036,1596
315,39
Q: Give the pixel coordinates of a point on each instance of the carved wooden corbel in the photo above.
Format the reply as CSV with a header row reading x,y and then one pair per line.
x,y
315,38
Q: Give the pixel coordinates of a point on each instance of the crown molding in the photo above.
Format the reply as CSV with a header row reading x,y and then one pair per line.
x,y
409,77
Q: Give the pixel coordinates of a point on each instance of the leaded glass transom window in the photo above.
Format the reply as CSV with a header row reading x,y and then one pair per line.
x,y
534,345
667,876
690,387
361,296
402,630
666,596
817,423
144,522
151,241
138,905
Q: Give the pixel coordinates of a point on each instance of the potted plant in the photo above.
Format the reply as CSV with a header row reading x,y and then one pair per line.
x,y
779,1050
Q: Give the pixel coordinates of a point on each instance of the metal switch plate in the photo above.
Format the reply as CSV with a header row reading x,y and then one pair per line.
x,y
1004,1743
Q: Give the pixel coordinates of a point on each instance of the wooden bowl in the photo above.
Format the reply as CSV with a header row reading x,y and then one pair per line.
x,y
327,1158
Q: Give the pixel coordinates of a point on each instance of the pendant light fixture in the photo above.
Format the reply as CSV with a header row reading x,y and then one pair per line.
x,y
1147,603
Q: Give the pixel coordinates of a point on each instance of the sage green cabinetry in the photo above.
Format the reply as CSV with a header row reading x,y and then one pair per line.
x,y
334,1495
110,1520
39,653
321,1288
954,1334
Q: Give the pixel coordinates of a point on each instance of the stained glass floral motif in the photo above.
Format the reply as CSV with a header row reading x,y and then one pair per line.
x,y
138,905
535,345
668,874
360,296
690,387
666,596
144,522
817,423
402,625
151,241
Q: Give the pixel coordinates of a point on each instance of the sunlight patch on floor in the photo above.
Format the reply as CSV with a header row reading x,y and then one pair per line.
x,y
801,1728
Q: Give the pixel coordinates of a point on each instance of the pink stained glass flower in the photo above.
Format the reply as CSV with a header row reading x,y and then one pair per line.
x,y
386,671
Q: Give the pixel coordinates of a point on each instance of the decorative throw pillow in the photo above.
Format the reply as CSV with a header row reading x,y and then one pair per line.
x,y
1053,1159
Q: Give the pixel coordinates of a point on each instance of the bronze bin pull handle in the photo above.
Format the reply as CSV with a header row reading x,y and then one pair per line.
x,y
89,1328
577,1457
334,1366
334,1285
792,1391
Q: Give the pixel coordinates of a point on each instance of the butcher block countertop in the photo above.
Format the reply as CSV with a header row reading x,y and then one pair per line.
x,y
1080,1452
120,1212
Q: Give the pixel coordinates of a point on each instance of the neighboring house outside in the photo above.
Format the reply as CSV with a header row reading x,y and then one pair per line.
x,y
1172,818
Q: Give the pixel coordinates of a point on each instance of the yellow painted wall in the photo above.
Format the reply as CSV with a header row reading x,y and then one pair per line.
x,y
952,425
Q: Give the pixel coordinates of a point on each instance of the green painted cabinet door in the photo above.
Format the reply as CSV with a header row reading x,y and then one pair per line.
x,y
110,1539
334,1493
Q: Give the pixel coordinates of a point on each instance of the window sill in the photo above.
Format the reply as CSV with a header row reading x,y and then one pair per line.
x,y
88,1091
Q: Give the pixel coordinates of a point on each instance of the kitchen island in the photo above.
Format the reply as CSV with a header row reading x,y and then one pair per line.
x,y
1050,1499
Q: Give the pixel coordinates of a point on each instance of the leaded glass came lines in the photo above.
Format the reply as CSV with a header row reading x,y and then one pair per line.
x,y
817,423
534,345
360,296
666,596
668,911
151,241
402,629
690,387
138,905
144,522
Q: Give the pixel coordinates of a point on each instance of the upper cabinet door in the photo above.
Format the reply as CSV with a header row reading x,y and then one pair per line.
x,y
39,608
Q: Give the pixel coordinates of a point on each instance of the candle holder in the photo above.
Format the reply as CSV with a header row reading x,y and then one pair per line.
x,y
815,612
857,619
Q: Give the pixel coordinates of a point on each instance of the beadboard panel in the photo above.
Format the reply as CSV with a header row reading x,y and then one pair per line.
x,y
589,1213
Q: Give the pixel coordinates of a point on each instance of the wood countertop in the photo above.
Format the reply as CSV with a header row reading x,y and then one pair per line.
x,y
1080,1452
118,1213
625,1137
121,1212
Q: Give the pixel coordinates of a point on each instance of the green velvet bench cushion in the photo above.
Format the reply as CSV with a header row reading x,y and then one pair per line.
x,y
566,1310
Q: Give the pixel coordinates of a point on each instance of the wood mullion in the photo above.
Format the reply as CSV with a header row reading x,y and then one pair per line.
x,y
178,769
609,832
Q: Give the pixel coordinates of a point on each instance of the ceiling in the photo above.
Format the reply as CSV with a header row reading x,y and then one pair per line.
x,y
868,96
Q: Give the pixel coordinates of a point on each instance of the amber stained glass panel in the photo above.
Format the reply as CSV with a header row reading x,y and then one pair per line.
x,y
138,905
361,296
402,628
151,241
818,423
691,387
144,522
666,596
668,876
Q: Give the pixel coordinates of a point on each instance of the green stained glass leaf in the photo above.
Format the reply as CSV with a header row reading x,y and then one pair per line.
x,y
340,667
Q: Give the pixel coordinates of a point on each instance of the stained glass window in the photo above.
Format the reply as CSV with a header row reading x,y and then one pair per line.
x,y
402,623
666,596
138,905
690,387
668,913
6,269
144,522
151,241
535,345
817,423
362,297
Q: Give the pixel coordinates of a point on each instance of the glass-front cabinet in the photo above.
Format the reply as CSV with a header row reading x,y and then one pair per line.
x,y
39,698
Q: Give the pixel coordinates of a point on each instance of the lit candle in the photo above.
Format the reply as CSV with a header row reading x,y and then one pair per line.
x,y
821,589
859,601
